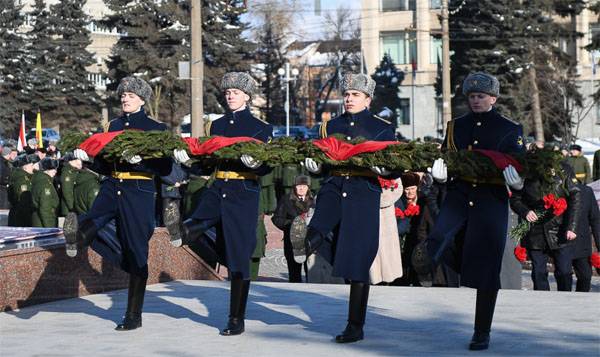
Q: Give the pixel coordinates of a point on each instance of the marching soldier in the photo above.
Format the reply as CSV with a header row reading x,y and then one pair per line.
x,y
349,199
44,196
231,203
128,196
473,217
19,191
68,175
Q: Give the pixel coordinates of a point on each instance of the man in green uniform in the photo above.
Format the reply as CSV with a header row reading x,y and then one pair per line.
x,y
44,196
579,164
87,185
19,191
266,205
596,163
68,174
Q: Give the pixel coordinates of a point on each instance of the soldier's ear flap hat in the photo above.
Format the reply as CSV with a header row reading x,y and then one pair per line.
x,y
20,161
135,85
32,159
481,83
48,164
239,80
410,179
575,147
302,180
360,82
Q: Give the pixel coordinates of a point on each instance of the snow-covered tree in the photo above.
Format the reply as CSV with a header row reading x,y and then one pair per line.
x,y
387,81
13,66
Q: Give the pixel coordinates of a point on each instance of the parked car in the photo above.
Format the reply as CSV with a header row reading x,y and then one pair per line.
x,y
48,134
296,131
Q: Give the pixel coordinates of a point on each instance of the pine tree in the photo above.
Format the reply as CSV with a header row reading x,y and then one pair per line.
x,y
224,48
13,66
156,37
68,61
387,81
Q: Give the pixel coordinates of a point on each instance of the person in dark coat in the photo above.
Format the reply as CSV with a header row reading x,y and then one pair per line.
x,y
7,156
474,214
44,197
127,196
231,203
348,203
296,203
588,227
549,236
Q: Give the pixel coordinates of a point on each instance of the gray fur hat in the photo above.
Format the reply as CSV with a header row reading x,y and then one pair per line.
x,y
302,180
360,82
481,83
239,80
135,85
32,158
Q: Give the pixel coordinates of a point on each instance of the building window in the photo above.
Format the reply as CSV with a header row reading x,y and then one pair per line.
x,y
403,112
435,51
398,5
594,30
400,46
435,4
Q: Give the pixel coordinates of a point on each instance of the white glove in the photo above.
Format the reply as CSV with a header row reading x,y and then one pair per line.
x,y
512,178
132,159
380,170
181,156
312,166
250,162
81,155
439,171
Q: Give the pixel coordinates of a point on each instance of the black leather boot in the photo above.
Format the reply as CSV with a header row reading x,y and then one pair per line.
x,y
359,297
78,234
303,248
484,313
193,229
237,307
135,302
172,221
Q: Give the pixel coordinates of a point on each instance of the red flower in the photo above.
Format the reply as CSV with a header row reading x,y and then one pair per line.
x,y
549,200
412,210
387,184
595,260
399,213
559,206
520,253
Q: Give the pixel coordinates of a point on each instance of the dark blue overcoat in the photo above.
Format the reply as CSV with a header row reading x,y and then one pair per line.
x,y
349,206
232,205
124,210
470,232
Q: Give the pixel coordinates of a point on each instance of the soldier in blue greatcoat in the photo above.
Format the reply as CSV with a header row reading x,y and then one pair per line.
x,y
126,197
231,203
471,229
348,202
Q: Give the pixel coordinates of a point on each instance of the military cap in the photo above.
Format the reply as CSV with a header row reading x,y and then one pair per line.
x,y
7,149
410,179
360,82
20,160
302,180
48,164
32,158
481,83
69,156
575,147
239,80
135,85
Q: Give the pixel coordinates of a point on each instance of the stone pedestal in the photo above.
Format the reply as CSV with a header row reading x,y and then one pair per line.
x,y
37,275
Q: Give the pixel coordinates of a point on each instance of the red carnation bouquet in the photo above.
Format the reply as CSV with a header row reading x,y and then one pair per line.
x,y
520,253
387,184
595,260
410,211
552,205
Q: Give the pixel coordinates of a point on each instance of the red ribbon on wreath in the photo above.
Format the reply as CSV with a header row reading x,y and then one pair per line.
x,y
215,143
339,150
95,143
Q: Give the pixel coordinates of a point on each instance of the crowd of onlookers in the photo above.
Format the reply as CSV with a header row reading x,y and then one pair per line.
x,y
39,185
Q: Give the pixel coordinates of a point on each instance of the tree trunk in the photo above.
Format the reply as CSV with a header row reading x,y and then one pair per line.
x,y
538,125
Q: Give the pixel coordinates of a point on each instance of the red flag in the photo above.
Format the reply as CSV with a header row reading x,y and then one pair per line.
x,y
21,142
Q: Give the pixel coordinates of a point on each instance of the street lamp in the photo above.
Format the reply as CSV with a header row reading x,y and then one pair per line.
x,y
287,75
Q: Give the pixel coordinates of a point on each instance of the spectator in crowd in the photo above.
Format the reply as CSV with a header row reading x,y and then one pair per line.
x,y
580,165
596,164
19,192
550,235
44,196
296,203
9,153
387,265
587,227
